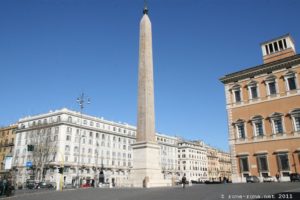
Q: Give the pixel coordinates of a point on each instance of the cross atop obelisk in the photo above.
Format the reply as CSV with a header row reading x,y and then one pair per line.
x,y
146,116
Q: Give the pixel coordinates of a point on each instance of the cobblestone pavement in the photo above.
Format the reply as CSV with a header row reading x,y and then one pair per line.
x,y
195,192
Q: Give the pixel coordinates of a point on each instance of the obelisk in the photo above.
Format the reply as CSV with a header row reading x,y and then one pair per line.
x,y
146,171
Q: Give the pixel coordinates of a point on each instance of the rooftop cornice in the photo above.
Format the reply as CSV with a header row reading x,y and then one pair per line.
x,y
76,114
261,69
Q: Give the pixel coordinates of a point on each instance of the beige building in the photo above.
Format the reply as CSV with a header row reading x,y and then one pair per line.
x,y
224,165
7,138
213,164
263,106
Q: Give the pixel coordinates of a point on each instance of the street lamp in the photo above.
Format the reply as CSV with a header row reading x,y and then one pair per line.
x,y
81,100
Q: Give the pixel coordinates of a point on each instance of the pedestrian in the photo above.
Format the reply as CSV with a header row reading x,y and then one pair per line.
x,y
1,186
277,177
4,185
183,180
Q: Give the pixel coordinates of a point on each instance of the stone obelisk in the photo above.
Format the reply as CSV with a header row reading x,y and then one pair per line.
x,y
146,171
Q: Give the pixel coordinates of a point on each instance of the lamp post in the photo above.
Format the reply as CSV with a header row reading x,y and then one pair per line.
x,y
81,100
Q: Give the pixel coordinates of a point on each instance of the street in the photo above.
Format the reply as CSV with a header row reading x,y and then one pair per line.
x,y
213,191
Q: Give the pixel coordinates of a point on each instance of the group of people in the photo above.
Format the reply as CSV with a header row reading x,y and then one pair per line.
x,y
6,186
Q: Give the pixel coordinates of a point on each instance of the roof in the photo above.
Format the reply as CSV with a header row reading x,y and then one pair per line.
x,y
277,38
261,69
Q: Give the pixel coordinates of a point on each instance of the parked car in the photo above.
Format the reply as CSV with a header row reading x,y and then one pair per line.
x,y
212,182
252,179
30,184
294,177
180,182
196,182
269,179
44,185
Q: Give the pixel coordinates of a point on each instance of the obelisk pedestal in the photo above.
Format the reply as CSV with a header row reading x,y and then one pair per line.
x,y
146,171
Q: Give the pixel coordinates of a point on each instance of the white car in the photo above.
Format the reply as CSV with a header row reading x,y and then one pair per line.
x,y
269,179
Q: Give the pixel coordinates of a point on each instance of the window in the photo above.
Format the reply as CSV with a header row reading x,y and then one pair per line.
x,y
237,93
262,163
280,44
276,120
272,88
244,167
278,126
68,138
240,129
69,130
258,128
253,89
290,79
257,123
67,148
283,162
70,119
56,130
295,114
271,85
271,48
275,46
267,49
291,83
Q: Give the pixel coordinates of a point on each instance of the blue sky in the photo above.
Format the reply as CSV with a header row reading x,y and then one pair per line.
x,y
52,50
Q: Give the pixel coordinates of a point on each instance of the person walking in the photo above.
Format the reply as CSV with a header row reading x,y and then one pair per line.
x,y
277,177
183,180
1,186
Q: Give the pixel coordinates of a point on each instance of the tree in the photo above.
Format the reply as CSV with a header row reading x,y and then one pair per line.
x,y
43,151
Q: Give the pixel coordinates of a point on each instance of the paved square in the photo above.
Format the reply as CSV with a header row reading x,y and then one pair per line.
x,y
209,192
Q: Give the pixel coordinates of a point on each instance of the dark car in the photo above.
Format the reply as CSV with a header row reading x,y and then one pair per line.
x,y
44,185
180,182
252,179
30,184
294,177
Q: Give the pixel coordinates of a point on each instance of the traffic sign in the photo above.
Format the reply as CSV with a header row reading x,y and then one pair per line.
x,y
29,164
